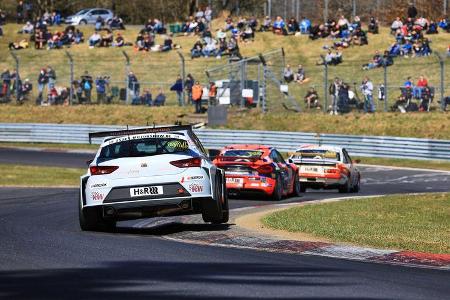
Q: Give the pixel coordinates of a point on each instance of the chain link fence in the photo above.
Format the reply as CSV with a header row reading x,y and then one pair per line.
x,y
384,10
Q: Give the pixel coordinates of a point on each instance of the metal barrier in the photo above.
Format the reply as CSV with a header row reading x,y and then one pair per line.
x,y
373,146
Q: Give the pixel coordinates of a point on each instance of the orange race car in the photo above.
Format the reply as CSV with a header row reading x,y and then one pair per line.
x,y
260,169
326,167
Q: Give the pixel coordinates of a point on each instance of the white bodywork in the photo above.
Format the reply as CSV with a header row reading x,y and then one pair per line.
x,y
151,172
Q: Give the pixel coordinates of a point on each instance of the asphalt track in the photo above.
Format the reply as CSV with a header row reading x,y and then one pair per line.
x,y
44,255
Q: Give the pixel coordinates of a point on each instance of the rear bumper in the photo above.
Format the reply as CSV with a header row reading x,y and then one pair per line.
x,y
252,186
321,182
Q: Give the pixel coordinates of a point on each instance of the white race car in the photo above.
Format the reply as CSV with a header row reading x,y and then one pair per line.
x,y
148,172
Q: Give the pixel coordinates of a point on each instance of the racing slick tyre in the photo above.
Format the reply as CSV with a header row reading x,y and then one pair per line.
x,y
91,220
345,188
225,208
212,211
278,190
302,188
356,187
297,190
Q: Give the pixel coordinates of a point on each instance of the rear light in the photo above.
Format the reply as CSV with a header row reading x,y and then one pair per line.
x,y
332,171
102,170
187,163
265,169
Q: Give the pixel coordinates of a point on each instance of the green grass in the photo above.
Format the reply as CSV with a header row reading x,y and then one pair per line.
x,y
407,222
23,175
86,147
408,163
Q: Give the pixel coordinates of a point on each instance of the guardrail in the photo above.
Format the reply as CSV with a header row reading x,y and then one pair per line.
x,y
374,146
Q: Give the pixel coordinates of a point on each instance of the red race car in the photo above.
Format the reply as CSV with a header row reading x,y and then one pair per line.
x,y
260,169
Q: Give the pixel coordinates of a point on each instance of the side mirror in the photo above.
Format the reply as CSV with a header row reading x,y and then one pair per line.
x,y
213,153
88,162
357,161
290,161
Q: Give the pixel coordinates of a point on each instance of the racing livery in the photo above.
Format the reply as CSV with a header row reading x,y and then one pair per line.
x,y
326,167
147,172
257,168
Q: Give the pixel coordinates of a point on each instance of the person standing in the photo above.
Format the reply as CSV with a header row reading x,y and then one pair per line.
x,y
178,88
188,84
20,12
100,84
51,77
86,85
6,84
334,92
133,86
412,11
197,93
42,81
367,90
212,94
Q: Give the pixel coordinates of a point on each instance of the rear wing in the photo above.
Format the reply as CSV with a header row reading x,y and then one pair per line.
x,y
140,131
312,161
237,159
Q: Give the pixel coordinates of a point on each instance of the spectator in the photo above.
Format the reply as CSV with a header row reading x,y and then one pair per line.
x,y
421,84
86,85
396,25
106,39
42,81
22,44
377,61
20,12
100,84
28,28
51,77
305,26
208,14
188,84
28,10
119,41
367,90
333,90
78,37
2,18
147,97
94,40
373,25
168,43
160,99
99,23
412,11
212,93
116,23
233,48
6,84
312,99
76,86
266,25
197,49
288,74
279,26
300,76
133,86
210,49
197,93
293,26
432,28
178,88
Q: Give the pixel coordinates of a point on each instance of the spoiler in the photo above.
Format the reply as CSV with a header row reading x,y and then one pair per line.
x,y
237,158
138,131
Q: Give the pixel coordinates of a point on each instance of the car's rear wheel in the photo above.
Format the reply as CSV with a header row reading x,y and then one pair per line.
x,y
225,208
278,190
213,209
91,219
345,188
297,190
357,186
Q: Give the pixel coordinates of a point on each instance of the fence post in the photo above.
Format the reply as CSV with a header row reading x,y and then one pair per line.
x,y
71,77
183,75
353,9
385,88
325,13
325,86
442,83
127,70
269,8
242,68
17,75
445,7
264,84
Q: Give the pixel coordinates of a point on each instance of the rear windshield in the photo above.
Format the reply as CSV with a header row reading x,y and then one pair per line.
x,y
145,147
244,153
317,154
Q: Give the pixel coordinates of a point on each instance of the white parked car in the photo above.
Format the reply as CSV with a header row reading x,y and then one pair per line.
x,y
148,172
89,16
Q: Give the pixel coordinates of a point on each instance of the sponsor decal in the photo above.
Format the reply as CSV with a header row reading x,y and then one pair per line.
x,y
96,196
98,185
144,165
192,178
145,136
195,188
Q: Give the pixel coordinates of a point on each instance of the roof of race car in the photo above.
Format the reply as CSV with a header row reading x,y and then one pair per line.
x,y
319,147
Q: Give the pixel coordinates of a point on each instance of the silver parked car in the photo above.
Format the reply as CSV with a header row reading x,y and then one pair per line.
x,y
89,16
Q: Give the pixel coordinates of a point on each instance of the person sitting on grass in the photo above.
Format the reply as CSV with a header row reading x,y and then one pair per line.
x,y
116,23
266,25
119,41
376,62
28,28
107,39
197,49
288,74
94,40
160,99
279,26
22,44
312,99
300,76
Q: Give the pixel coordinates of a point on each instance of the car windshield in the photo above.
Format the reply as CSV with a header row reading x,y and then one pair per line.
x,y
145,147
317,154
243,153
82,12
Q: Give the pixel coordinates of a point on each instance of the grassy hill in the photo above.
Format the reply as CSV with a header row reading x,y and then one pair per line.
x,y
158,70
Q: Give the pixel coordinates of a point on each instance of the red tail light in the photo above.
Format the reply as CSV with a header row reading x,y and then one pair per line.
x,y
265,169
187,163
102,170
333,171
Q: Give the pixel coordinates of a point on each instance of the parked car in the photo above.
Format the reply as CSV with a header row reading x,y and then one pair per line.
x,y
326,167
89,16
258,169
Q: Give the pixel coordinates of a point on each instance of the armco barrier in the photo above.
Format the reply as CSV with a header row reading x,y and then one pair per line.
x,y
379,146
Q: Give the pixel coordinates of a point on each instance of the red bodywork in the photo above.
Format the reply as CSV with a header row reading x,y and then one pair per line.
x,y
255,174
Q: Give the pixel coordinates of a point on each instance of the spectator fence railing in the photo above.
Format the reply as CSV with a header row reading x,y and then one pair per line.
x,y
365,146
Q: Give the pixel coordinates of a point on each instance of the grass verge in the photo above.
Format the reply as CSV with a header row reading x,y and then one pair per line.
x,y
407,222
21,175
